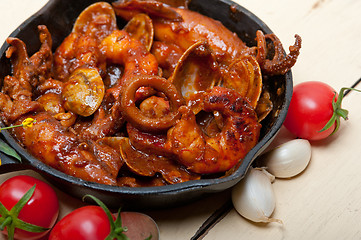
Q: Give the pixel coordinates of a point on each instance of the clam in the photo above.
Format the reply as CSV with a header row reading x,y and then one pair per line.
x,y
83,92
141,28
244,75
51,102
138,162
264,106
98,20
149,165
107,150
113,142
197,70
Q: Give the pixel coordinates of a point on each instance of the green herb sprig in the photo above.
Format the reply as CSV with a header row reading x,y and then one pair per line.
x,y
5,148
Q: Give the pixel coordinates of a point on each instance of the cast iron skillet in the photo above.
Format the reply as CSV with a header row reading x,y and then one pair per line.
x,y
59,16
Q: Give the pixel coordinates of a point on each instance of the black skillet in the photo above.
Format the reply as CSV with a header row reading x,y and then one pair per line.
x,y
59,16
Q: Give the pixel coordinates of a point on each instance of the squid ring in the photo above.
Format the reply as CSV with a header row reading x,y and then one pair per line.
x,y
136,117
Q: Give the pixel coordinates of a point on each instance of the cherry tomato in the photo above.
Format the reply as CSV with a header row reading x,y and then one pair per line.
x,y
98,223
85,223
310,109
42,208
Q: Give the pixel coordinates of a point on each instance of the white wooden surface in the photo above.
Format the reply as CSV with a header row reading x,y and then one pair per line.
x,y
324,202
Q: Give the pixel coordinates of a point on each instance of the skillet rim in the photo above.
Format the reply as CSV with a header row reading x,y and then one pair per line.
x,y
208,185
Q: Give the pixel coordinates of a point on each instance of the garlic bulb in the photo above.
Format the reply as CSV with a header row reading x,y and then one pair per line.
x,y
253,197
288,159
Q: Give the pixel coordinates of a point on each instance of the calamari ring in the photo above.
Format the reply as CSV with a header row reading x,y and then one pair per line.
x,y
136,117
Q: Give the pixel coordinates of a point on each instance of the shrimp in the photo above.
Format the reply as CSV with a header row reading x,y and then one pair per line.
x,y
96,43
167,56
206,155
80,47
140,101
184,27
59,148
31,92
119,48
77,51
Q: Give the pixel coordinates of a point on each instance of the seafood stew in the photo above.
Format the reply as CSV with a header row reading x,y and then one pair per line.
x,y
123,126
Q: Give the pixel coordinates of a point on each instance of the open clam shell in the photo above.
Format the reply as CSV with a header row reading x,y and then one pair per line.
x,y
244,75
197,70
141,27
264,106
149,165
102,14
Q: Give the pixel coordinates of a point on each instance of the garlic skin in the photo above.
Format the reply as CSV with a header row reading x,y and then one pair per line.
x,y
288,159
253,197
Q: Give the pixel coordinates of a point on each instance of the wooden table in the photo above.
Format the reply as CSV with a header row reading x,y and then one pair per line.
x,y
324,202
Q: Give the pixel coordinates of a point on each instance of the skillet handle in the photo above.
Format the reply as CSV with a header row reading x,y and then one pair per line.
x,y
10,164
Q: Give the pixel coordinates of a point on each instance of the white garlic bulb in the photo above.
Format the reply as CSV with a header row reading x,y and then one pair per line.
x,y
288,159
253,197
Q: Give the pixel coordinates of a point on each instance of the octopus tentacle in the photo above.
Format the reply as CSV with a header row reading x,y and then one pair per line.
x,y
17,92
280,63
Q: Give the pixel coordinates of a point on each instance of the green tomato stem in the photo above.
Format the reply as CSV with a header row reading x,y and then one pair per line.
x,y
8,220
120,230
116,228
338,112
22,202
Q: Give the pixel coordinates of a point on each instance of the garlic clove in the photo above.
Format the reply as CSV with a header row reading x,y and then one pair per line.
x,y
288,159
270,176
253,197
